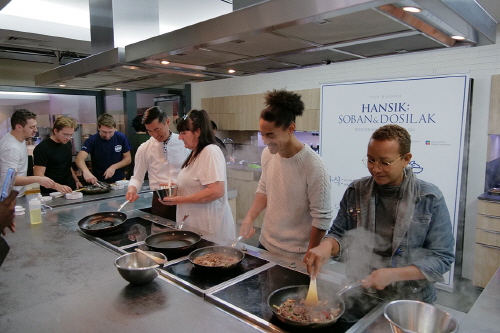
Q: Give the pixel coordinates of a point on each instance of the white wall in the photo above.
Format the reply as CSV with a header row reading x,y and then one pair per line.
x,y
479,62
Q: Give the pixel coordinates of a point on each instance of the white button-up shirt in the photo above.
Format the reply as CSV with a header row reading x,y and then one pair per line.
x,y
150,157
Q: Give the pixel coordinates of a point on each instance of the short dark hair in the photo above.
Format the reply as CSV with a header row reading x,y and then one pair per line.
x,y
154,113
137,124
394,132
197,119
21,117
214,125
282,107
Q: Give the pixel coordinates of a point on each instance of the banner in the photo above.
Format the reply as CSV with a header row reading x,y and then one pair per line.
x,y
432,109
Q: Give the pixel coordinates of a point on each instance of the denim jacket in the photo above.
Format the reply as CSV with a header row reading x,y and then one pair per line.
x,y
425,240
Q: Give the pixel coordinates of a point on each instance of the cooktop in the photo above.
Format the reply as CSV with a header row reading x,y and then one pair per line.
x,y
248,299
134,230
205,278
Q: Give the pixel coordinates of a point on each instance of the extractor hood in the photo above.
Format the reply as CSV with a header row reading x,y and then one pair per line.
x,y
279,35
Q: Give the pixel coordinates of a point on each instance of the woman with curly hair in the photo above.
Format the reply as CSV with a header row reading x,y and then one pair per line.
x,y
294,185
202,181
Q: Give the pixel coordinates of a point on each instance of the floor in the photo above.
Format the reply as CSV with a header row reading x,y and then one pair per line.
x,y
457,303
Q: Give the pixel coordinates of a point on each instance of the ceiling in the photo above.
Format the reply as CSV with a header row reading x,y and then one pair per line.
x,y
284,40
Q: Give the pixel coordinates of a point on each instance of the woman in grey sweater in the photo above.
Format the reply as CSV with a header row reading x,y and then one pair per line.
x,y
294,185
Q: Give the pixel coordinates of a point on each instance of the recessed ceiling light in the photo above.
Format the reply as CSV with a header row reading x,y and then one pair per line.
x,y
231,71
118,88
164,62
458,37
62,85
411,9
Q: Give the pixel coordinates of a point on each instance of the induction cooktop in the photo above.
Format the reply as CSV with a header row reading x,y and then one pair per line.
x,y
248,299
203,279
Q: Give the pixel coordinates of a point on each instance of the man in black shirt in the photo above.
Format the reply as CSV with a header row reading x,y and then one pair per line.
x,y
53,157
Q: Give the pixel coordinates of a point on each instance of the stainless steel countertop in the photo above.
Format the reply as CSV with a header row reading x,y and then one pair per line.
x,y
484,316
54,280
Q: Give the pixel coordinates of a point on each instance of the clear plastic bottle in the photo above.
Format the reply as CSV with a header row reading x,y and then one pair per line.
x,y
35,207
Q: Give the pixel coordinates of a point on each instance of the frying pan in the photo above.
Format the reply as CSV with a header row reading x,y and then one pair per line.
x,y
172,241
94,189
298,293
102,222
227,250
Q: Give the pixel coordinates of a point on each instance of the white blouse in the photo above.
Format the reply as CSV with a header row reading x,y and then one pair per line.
x,y
215,216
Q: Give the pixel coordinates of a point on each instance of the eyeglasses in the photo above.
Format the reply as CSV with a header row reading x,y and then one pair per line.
x,y
384,166
68,136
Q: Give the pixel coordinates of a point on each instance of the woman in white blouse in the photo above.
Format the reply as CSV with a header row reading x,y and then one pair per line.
x,y
202,188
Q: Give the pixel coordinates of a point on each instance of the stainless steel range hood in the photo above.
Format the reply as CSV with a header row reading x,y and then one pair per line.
x,y
279,35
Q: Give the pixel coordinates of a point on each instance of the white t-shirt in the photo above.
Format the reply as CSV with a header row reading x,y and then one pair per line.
x,y
215,216
13,154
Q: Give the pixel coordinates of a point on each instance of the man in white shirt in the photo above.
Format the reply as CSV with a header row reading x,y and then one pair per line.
x,y
161,156
14,153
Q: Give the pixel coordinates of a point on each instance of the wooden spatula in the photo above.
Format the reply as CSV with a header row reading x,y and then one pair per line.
x,y
312,294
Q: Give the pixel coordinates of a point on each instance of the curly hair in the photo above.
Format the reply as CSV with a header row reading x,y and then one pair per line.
x,y
21,117
394,132
282,107
137,124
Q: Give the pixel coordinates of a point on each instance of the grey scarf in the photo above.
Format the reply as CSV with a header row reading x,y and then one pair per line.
x,y
361,249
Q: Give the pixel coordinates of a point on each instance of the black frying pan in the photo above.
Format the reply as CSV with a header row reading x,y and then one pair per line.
x,y
298,293
228,250
102,222
94,189
172,241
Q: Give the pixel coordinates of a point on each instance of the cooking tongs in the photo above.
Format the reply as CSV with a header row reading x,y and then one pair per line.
x,y
101,184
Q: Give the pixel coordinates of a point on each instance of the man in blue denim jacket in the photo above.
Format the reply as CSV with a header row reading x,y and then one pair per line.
x,y
393,229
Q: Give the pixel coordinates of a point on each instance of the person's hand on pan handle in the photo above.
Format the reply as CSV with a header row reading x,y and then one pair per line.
x,y
131,194
381,278
318,256
247,230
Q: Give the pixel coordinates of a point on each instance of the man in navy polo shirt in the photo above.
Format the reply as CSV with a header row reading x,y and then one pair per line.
x,y
109,151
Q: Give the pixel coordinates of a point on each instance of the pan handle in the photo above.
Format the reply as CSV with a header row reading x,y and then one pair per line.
x,y
349,287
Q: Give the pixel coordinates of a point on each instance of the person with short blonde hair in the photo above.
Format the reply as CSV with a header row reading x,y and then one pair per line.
x,y
53,157
109,151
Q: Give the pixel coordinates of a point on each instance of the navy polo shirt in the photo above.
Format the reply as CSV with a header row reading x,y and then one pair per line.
x,y
104,153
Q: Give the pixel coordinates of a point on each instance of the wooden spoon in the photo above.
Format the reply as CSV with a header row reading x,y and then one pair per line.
x,y
159,261
312,294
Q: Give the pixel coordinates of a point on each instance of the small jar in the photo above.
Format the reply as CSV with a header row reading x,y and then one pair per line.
x,y
35,207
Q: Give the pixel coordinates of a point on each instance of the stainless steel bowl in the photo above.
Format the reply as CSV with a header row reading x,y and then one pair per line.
x,y
137,268
407,316
165,191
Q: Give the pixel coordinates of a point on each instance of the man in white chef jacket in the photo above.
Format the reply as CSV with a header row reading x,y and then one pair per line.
x,y
161,156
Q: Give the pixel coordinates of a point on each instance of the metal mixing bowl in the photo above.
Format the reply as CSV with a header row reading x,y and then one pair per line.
x,y
407,316
163,191
137,268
